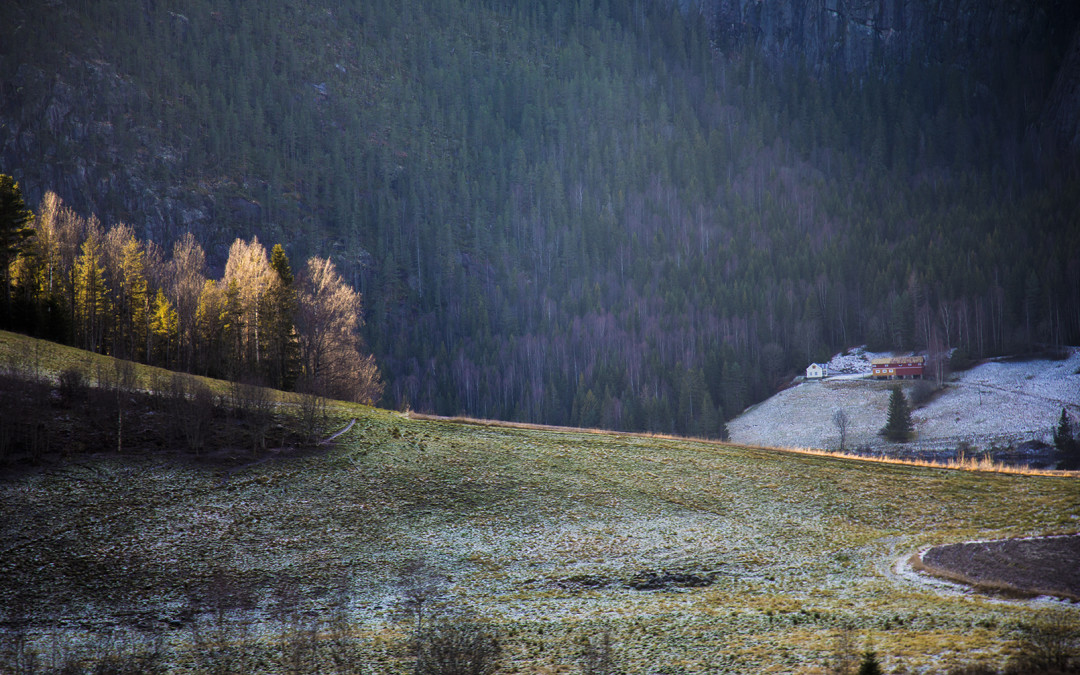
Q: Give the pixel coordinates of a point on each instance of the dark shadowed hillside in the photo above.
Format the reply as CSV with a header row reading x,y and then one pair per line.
x,y
611,214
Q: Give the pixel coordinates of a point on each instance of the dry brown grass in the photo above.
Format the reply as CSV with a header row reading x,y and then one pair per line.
x,y
984,464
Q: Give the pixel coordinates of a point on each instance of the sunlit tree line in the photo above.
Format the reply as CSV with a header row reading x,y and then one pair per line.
x,y
105,290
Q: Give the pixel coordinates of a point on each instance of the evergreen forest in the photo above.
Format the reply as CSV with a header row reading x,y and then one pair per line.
x,y
604,213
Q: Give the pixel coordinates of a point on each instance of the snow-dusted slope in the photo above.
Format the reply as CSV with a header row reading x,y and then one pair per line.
x,y
991,401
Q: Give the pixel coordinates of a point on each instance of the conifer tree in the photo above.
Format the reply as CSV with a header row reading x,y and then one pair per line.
x,y
14,231
91,291
232,328
136,315
210,328
899,427
123,258
164,327
282,348
1066,442
869,665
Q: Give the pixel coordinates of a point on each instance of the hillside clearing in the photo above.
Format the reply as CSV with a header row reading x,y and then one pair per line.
x,y
1020,400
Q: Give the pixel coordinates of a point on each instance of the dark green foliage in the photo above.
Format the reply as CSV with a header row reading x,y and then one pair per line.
x,y
14,217
279,310
899,427
869,665
1066,441
14,231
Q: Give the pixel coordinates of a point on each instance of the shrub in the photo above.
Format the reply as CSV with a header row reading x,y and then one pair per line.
x,y
599,657
72,386
458,648
921,392
1049,644
960,360
255,405
191,406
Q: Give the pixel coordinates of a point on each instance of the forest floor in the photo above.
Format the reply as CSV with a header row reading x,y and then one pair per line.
x,y
995,403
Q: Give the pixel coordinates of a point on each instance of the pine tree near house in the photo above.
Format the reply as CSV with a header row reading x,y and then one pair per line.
x,y
899,427
1066,442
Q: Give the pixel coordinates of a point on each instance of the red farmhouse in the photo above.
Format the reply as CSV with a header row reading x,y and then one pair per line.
x,y
898,367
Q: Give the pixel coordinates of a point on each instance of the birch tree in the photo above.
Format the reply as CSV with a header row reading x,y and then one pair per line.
x,y
328,325
248,268
124,262
187,274
91,291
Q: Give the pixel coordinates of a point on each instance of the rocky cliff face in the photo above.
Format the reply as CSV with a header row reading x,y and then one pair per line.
x,y
102,158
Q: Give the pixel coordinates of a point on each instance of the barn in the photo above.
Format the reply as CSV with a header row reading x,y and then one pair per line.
x,y
898,367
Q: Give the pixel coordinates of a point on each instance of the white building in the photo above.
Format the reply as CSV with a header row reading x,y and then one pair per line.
x,y
816,371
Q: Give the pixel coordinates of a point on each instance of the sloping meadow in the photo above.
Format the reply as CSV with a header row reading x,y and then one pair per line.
x,y
693,557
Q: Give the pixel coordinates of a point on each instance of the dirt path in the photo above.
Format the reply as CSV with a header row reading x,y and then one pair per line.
x,y
338,433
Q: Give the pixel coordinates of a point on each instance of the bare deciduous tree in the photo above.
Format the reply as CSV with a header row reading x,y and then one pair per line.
x,y
187,274
599,657
845,657
328,324
420,586
843,423
459,648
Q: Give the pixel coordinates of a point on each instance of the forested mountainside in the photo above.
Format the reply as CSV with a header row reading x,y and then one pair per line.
x,y
622,214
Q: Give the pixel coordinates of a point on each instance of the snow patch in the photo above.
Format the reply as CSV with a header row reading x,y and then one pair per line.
x,y
1019,400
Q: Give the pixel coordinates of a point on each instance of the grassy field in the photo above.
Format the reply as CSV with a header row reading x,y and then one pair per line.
x,y
544,533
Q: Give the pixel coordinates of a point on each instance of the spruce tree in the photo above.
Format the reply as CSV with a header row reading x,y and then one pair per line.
x,y
14,232
899,427
279,313
870,665
1066,442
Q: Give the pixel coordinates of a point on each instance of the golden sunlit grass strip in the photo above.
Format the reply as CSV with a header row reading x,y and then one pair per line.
x,y
984,464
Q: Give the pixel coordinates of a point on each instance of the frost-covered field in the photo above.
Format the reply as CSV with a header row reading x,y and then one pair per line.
x,y
993,400
540,532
